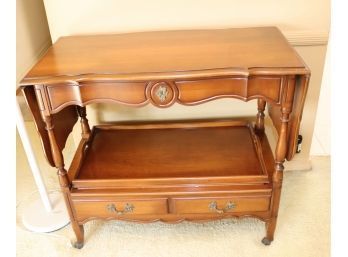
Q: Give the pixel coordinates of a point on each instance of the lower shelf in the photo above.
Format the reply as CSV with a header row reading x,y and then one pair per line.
x,y
182,153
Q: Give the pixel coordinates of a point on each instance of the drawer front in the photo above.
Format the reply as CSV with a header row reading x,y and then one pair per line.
x,y
132,93
220,205
200,91
119,208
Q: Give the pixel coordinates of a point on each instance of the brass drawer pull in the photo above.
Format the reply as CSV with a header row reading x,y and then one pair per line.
x,y
128,208
229,206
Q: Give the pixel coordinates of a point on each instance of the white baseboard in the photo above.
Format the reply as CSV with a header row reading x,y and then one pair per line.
x,y
306,37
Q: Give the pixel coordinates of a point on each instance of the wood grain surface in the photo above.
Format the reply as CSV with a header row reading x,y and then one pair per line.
x,y
153,153
234,51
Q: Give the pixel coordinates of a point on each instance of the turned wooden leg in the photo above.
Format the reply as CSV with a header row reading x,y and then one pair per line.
x,y
79,232
78,229
64,182
86,131
280,153
260,117
271,224
277,179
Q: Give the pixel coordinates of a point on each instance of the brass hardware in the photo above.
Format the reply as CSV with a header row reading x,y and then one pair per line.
x,y
162,93
229,206
127,209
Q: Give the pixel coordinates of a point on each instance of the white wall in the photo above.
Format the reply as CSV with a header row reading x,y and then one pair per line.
x,y
32,34
32,40
68,17
321,143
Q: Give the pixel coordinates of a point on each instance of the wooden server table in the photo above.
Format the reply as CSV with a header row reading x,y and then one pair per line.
x,y
169,171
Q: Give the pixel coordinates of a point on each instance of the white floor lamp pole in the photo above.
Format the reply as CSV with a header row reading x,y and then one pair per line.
x,y
48,213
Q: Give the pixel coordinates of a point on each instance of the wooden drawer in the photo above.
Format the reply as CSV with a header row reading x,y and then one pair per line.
x,y
128,93
220,205
86,209
200,91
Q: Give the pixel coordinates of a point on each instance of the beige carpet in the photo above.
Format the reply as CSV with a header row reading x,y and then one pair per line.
x,y
303,224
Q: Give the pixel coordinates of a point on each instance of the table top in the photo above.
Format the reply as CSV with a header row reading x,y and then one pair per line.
x,y
237,51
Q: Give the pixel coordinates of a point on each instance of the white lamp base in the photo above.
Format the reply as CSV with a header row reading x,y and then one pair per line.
x,y
35,218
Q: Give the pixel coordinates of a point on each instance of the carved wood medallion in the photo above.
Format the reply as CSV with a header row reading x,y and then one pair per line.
x,y
162,94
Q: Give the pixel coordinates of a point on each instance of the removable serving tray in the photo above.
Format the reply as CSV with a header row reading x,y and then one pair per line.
x,y
175,153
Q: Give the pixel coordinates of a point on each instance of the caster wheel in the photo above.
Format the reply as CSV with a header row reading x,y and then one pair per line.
x,y
266,241
76,244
